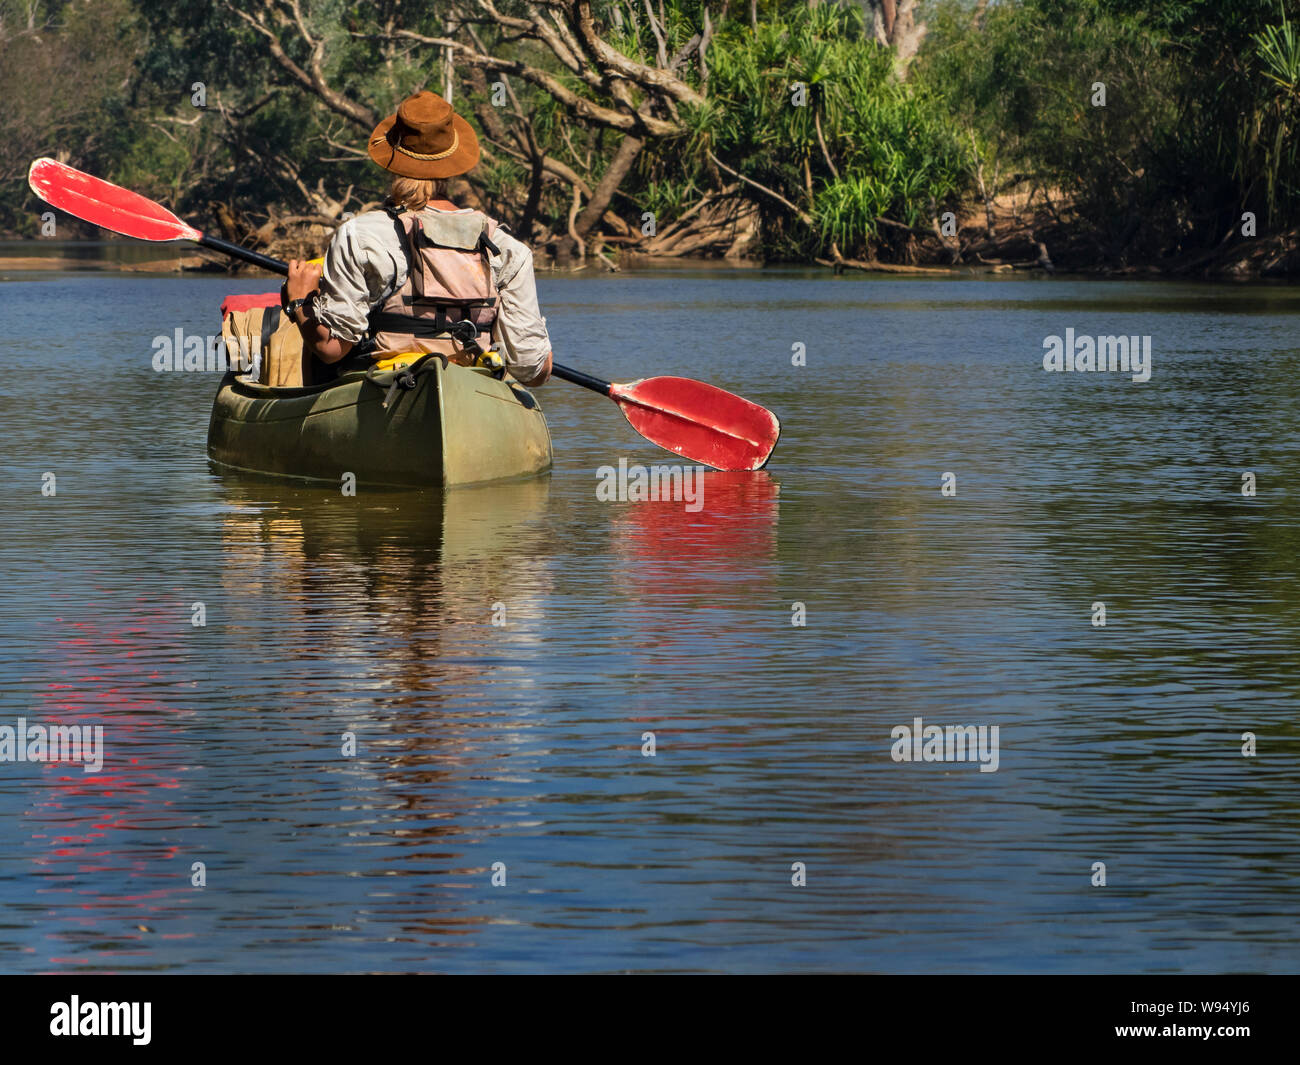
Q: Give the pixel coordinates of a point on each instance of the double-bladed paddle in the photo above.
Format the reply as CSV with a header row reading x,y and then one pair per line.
x,y
697,421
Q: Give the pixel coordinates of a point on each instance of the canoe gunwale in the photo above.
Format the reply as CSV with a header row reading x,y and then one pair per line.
x,y
380,378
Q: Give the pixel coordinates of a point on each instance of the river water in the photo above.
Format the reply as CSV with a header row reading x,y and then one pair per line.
x,y
516,751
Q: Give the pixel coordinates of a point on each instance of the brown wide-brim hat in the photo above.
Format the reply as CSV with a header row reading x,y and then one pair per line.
x,y
425,139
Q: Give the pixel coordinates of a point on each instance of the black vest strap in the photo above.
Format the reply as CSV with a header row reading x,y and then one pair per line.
x,y
270,323
461,329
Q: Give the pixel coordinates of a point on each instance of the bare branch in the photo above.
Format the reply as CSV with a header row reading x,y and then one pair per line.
x,y
626,121
612,59
659,37
802,215
817,124
313,82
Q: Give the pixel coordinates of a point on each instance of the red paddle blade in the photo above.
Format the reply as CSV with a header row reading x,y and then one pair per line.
x,y
699,422
104,204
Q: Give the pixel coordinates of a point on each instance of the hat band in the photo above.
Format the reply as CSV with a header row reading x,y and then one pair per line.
x,y
455,143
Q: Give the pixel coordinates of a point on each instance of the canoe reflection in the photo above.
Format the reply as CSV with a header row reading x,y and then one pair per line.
x,y
376,524
379,609
406,578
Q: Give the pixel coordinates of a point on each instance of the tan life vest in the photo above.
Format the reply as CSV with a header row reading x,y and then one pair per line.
x,y
449,280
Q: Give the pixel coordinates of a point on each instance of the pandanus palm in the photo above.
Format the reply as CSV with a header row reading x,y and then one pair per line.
x,y
813,106
1272,131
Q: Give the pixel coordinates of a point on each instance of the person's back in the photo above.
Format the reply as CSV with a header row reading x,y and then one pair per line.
x,y
449,278
395,280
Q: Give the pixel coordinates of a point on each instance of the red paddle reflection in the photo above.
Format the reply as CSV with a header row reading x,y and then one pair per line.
x,y
94,833
730,536
706,573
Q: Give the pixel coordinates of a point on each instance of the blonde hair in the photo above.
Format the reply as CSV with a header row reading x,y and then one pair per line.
x,y
414,193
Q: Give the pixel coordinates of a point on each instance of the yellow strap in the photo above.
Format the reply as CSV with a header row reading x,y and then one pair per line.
x,y
392,362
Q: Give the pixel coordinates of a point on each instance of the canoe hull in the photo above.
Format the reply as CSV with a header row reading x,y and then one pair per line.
x,y
456,426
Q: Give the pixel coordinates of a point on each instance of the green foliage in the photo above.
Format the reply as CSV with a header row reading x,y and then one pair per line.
x,y
1202,109
1198,126
65,71
1268,145
862,145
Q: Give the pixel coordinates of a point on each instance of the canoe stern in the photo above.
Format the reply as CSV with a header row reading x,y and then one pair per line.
x,y
456,426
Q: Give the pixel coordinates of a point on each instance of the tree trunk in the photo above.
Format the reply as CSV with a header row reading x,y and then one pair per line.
x,y
908,33
896,26
534,199
601,195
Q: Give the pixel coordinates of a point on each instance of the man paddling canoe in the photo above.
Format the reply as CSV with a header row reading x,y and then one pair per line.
x,y
395,279
694,420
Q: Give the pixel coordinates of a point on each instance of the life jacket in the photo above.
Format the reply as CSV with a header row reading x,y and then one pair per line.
x,y
449,280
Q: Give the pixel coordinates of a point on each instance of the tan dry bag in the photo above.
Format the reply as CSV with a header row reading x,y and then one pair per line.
x,y
268,341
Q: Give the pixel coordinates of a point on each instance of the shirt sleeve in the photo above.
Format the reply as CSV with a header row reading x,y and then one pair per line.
x,y
358,275
520,327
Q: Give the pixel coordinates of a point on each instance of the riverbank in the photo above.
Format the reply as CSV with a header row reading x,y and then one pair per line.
x,y
1009,235
1036,231
173,264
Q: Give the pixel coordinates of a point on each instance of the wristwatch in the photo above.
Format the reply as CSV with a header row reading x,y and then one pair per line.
x,y
292,306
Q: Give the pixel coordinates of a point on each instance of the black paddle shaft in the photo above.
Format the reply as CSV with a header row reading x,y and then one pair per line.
x,y
276,266
577,377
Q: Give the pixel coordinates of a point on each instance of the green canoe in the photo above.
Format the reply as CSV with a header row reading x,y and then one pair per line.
x,y
443,424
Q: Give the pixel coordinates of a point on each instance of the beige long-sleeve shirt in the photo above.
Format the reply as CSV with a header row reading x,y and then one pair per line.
x,y
367,262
